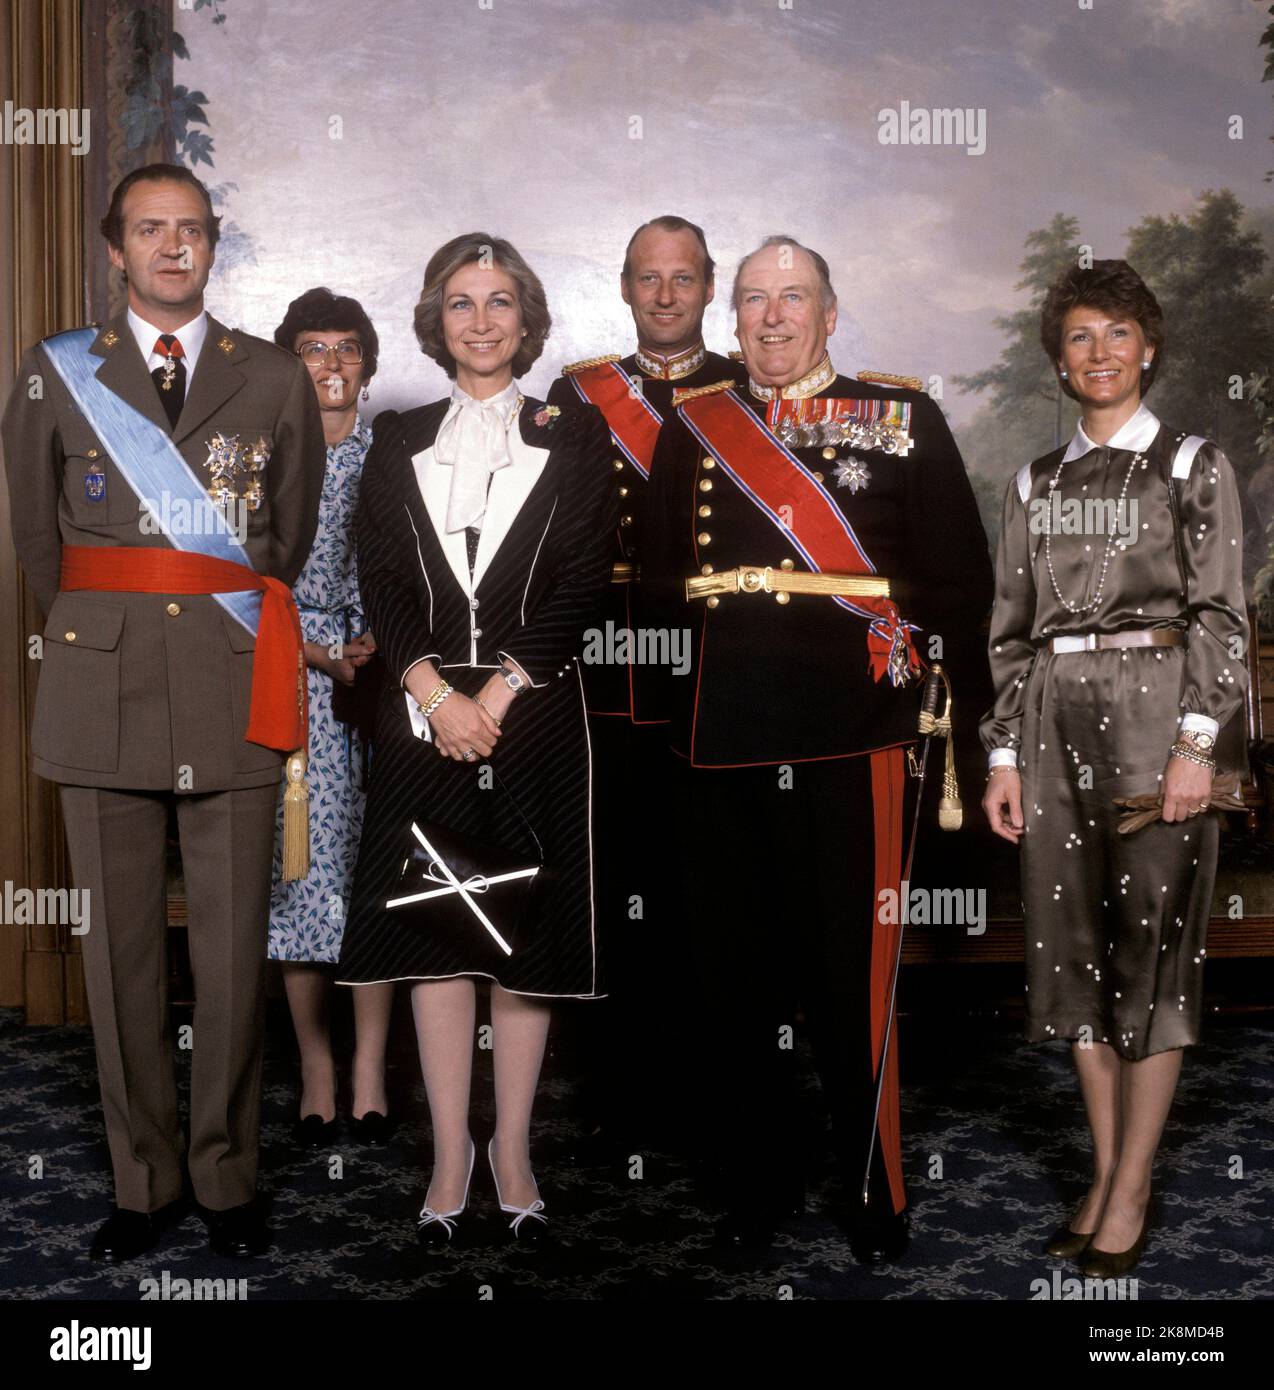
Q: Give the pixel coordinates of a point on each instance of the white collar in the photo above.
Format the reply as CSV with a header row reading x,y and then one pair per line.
x,y
503,402
190,335
1135,434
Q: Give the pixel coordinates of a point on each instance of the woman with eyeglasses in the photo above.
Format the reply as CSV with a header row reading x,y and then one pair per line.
x,y
335,339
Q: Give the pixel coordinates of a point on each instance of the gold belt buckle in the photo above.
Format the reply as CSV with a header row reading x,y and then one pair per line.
x,y
754,578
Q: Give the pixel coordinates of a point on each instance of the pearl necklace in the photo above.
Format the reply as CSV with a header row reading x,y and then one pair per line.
x,y
1110,543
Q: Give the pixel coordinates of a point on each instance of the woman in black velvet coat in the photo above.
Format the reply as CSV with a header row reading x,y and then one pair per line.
x,y
483,537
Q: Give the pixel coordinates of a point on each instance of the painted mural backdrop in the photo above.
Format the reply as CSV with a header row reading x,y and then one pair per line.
x,y
947,160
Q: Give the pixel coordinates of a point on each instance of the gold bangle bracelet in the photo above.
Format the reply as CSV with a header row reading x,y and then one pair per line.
x,y
435,698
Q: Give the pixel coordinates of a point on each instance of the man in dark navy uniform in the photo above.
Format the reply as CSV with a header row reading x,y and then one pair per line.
x,y
667,282
822,538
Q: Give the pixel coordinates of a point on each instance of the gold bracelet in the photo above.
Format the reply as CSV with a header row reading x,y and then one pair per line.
x,y
435,698
1190,754
481,703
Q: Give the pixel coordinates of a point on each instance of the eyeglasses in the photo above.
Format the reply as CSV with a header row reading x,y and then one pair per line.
x,y
315,354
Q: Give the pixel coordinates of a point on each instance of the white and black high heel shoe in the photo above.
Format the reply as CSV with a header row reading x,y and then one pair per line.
x,y
439,1227
528,1224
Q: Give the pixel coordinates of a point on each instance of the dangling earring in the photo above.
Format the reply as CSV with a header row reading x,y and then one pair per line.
x,y
524,332
365,396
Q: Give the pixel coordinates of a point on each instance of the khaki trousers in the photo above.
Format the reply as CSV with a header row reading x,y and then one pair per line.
x,y
116,843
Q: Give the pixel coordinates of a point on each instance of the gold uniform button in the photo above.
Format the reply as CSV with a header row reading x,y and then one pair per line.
x,y
707,569
705,511
704,538
173,609
829,452
625,521
92,454
618,465
705,484
70,636
709,463
713,601
787,565
623,492
782,598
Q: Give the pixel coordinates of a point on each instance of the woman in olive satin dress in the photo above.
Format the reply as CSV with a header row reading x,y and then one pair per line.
x,y
1117,652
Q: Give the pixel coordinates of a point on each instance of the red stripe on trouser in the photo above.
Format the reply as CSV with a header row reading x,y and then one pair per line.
x,y
887,785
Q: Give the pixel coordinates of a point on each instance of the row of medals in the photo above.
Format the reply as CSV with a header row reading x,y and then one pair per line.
x,y
228,458
845,432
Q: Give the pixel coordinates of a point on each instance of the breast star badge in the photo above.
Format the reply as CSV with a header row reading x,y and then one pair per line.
x,y
852,473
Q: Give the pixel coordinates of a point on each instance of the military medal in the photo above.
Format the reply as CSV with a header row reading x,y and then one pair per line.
x,y
824,421
95,483
227,459
170,371
852,473
255,457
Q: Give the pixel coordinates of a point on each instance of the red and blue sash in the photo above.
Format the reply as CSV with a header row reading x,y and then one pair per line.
x,y
634,423
776,481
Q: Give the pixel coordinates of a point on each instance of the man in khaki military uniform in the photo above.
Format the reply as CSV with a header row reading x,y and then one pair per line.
x,y
144,697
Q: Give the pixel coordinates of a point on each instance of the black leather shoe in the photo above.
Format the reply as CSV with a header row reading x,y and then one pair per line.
x,y
878,1240
372,1128
237,1231
314,1132
124,1235
1065,1244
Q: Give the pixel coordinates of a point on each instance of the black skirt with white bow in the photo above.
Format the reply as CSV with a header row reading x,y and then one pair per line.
x,y
540,575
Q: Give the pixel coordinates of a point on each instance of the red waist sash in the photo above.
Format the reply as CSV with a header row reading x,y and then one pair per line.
x,y
278,714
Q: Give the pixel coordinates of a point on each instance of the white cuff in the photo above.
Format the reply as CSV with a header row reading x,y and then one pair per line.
x,y
1199,724
419,724
1002,757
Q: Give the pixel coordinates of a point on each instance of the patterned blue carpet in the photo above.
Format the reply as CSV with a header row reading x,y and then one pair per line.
x,y
993,1146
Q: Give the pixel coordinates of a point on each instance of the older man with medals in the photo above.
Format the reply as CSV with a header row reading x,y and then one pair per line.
x,y
164,483
820,534
667,281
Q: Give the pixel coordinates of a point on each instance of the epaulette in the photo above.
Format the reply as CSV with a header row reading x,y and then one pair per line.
x,y
574,367
690,392
907,383
735,355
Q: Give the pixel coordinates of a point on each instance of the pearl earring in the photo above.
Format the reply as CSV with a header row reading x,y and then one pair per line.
x,y
1145,366
1064,375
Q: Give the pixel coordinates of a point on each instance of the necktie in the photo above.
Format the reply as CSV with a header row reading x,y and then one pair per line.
x,y
170,379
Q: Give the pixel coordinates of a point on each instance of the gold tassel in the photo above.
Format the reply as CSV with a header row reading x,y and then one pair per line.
x,y
950,812
296,818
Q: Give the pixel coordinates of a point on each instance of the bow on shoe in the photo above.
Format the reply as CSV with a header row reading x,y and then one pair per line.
x,y
428,1216
533,1211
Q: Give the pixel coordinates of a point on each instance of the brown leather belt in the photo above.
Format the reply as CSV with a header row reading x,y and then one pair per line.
x,y
756,579
624,572
1103,641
